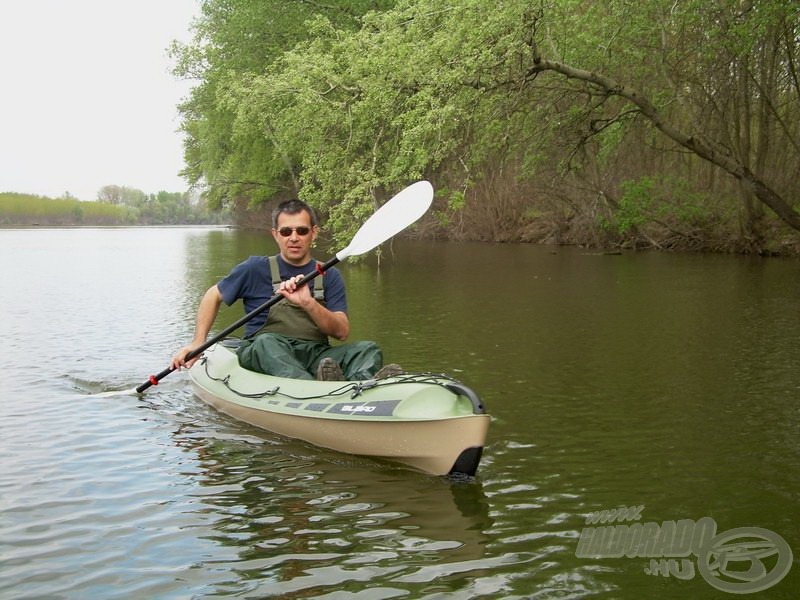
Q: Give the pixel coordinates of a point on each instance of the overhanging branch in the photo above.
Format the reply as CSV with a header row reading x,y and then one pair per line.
x,y
704,148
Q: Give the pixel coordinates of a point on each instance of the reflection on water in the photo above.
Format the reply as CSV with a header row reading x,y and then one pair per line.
x,y
667,381
301,524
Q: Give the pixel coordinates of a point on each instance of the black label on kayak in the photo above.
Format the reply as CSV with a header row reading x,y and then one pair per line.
x,y
380,408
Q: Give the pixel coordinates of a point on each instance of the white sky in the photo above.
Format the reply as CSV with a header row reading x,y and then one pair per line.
x,y
87,97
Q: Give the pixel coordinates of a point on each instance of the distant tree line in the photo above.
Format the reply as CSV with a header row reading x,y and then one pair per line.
x,y
626,123
115,206
163,207
29,209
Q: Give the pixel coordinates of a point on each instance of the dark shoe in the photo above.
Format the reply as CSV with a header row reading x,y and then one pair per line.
x,y
329,370
390,370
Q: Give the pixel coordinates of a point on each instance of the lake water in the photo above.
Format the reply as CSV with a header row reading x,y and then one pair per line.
x,y
665,384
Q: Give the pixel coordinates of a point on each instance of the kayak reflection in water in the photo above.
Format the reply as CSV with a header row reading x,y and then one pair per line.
x,y
291,339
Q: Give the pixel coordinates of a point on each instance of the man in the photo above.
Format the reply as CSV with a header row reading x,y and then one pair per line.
x,y
291,339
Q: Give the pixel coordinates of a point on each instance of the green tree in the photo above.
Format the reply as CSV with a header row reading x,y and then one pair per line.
x,y
716,78
518,108
236,40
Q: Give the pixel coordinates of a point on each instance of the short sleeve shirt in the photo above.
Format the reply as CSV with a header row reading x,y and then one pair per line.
x,y
251,282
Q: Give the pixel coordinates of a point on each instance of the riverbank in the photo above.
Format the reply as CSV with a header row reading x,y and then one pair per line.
x,y
714,233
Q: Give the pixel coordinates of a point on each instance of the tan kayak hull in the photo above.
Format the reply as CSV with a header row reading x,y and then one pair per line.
x,y
431,423
432,446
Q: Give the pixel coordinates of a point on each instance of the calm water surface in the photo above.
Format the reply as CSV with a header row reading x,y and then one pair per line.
x,y
668,382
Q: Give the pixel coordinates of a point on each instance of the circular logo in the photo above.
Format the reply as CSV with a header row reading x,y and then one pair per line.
x,y
745,560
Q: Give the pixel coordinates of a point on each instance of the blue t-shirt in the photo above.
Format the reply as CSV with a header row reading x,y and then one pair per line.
x,y
251,281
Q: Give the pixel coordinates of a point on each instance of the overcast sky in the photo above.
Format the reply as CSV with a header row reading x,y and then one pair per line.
x,y
87,97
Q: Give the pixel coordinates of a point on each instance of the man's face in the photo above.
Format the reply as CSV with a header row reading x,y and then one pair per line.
x,y
295,248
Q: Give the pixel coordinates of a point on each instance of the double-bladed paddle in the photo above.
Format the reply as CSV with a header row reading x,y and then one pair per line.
x,y
391,218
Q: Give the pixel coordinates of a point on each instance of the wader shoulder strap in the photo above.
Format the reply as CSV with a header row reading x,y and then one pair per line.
x,y
275,274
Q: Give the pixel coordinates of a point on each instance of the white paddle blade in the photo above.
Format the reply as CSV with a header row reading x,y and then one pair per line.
x,y
398,213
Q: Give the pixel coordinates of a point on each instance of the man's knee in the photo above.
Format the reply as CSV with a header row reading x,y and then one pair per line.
x,y
271,340
254,354
366,347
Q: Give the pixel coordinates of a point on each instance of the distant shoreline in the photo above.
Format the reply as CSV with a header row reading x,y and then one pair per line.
x,y
8,226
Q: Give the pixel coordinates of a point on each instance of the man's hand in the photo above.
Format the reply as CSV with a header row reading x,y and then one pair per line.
x,y
299,295
333,324
179,360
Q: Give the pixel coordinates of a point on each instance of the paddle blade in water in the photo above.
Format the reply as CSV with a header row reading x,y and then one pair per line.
x,y
113,393
391,218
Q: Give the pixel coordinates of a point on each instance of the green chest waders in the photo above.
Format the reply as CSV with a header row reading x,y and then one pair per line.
x,y
289,319
299,346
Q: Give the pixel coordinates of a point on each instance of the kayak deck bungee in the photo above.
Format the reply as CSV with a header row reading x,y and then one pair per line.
x,y
431,422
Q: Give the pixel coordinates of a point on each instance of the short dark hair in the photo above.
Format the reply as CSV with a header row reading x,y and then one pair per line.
x,y
292,207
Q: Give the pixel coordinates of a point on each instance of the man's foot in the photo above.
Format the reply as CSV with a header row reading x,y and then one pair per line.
x,y
329,370
390,370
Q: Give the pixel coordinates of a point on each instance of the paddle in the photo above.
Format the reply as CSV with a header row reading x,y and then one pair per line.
x,y
391,218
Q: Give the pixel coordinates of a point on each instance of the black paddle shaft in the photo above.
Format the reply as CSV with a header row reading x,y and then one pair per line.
x,y
320,270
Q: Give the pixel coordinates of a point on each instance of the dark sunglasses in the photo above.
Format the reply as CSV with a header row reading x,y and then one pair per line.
x,y
287,231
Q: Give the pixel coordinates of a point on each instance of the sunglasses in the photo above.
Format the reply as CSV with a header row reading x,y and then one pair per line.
x,y
301,231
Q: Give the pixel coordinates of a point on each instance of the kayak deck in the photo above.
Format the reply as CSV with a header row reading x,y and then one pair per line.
x,y
430,422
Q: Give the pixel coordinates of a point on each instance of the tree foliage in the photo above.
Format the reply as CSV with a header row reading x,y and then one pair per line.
x,y
236,41
160,208
535,119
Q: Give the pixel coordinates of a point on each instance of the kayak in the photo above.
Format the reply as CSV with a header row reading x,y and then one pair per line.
x,y
432,423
